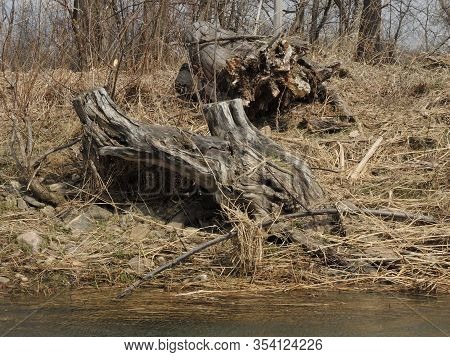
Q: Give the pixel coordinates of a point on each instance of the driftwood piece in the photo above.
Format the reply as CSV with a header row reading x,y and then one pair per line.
x,y
269,75
237,164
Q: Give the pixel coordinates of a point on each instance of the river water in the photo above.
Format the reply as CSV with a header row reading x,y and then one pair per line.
x,y
150,313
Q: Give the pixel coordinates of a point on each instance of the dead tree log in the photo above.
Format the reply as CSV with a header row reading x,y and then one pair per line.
x,y
236,165
270,75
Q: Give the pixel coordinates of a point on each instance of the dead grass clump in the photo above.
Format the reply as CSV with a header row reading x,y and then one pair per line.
x,y
419,89
248,245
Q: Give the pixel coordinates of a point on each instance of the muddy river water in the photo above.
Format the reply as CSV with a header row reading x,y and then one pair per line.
x,y
150,313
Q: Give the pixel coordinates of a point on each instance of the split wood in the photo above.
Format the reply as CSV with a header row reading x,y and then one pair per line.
x,y
357,171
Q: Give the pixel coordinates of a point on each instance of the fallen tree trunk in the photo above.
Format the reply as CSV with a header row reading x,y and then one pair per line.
x,y
270,75
236,166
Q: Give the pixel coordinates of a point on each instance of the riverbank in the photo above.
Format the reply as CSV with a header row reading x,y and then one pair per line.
x,y
81,244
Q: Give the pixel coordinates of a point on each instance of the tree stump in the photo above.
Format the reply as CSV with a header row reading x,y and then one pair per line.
x,y
235,165
270,75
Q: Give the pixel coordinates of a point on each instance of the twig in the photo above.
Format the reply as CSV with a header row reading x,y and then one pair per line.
x,y
341,156
362,164
175,262
326,211
41,158
258,15
325,169
36,164
395,215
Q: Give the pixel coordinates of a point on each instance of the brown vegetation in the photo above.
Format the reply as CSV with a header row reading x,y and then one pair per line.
x,y
410,172
406,102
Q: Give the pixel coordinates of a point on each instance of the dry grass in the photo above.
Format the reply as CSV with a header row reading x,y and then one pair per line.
x,y
405,103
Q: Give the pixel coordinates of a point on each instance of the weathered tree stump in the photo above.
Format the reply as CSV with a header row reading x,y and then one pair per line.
x,y
270,75
236,165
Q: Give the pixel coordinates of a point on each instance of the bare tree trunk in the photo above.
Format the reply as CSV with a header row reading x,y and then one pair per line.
x,y
146,32
313,34
221,12
278,17
355,16
445,7
161,23
343,17
258,16
8,37
298,26
81,61
369,38
317,26
90,24
232,14
204,10
237,16
324,19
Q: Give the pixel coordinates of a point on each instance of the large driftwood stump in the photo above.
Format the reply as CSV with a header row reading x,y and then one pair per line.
x,y
237,164
270,75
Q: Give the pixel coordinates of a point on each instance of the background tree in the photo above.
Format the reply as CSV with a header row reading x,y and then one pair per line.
x,y
369,37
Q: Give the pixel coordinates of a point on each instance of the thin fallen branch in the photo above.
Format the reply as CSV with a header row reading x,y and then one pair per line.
x,y
418,218
176,262
36,164
395,215
362,164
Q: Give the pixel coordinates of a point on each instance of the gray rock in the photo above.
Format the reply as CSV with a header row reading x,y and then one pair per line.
x,y
354,134
16,185
32,240
81,224
21,204
114,229
58,187
266,130
9,202
139,232
71,249
160,260
179,221
4,280
98,213
33,202
140,264
22,277
176,225
49,211
144,209
125,220
49,261
201,277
